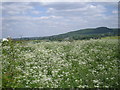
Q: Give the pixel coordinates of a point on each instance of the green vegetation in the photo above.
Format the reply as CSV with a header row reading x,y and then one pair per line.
x,y
40,64
112,37
0,65
84,34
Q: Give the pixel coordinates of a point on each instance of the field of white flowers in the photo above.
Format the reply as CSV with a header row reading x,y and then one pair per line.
x,y
41,64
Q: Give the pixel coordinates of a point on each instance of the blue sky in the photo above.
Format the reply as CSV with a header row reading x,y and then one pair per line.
x,y
34,19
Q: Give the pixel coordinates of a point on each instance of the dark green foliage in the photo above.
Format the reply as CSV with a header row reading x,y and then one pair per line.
x,y
83,34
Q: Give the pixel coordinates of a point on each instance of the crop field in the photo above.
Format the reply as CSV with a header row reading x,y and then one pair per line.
x,y
42,64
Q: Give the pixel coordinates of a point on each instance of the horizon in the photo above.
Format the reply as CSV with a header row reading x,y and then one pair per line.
x,y
60,33
37,19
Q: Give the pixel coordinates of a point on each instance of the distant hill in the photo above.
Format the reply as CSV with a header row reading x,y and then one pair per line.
x,y
80,34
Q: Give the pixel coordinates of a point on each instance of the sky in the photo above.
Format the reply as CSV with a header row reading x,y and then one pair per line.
x,y
38,19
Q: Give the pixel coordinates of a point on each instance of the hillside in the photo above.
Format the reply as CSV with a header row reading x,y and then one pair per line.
x,y
81,34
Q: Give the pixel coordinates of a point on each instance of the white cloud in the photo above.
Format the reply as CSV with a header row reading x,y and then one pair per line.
x,y
47,1
36,12
115,12
78,10
56,18
16,8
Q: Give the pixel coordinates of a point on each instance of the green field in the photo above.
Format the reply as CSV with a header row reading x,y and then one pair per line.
x,y
41,64
112,37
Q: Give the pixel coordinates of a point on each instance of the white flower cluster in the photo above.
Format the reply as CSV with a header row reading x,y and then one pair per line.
x,y
90,63
4,39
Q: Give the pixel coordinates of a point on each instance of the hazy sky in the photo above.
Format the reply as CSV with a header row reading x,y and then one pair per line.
x,y
44,19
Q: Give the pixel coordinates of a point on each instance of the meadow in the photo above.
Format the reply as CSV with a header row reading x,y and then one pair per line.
x,y
53,64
